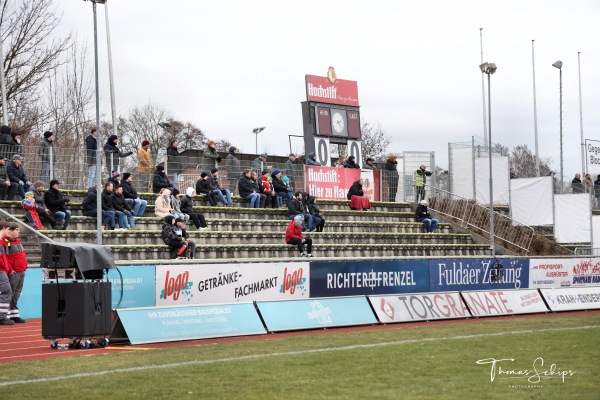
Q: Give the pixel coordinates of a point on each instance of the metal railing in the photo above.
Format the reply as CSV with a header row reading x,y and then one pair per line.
x,y
476,217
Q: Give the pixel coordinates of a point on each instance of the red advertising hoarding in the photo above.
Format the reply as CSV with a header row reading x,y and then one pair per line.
x,y
330,183
320,88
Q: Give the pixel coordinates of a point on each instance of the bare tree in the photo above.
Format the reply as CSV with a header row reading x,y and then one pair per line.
x,y
523,160
31,56
375,141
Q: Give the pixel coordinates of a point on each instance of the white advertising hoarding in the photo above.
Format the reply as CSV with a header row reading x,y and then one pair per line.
x,y
419,307
550,272
504,302
568,299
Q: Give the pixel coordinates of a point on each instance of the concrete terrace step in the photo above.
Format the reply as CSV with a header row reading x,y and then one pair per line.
x,y
212,238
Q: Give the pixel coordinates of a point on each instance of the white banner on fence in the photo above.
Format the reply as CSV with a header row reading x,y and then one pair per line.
x,y
592,157
572,214
462,172
419,307
531,200
504,302
229,283
550,272
572,298
482,180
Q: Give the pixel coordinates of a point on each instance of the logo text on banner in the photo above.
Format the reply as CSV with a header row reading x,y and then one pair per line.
x,y
319,88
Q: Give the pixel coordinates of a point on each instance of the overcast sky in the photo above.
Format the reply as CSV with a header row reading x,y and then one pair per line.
x,y
230,66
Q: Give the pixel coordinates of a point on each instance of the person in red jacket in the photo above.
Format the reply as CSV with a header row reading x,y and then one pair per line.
x,y
293,235
5,290
16,261
31,211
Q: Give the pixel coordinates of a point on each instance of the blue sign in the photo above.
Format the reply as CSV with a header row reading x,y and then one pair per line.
x,y
138,286
478,274
30,302
168,324
315,313
333,279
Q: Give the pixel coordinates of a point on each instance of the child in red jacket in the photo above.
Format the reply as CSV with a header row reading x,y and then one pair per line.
x,y
293,235
5,290
31,213
16,261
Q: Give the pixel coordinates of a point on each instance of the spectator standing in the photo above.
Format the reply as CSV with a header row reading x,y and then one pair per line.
x,y
391,168
420,180
358,200
144,165
203,189
16,261
113,154
576,185
248,191
173,160
109,205
126,218
91,147
311,159
89,208
280,188
132,197
422,214
588,184
294,236
187,207
233,168
57,204
369,164
171,239
215,188
290,171
296,207
179,229
339,163
162,204
16,174
31,213
7,188
47,156
160,180
210,156
514,174
5,289
260,163
6,142
351,163
42,210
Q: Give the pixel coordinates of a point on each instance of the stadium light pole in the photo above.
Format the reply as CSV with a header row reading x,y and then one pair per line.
x,y
166,126
256,131
583,163
559,65
3,87
488,69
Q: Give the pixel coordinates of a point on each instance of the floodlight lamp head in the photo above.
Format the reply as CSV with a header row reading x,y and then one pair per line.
x,y
488,68
259,130
557,64
164,125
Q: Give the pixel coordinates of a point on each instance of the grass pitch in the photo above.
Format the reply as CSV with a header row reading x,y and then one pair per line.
x,y
544,357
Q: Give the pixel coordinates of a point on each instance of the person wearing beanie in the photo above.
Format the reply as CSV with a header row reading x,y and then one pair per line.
x,y
180,230
210,156
91,146
391,176
311,159
177,243
260,163
351,163
176,205
57,204
422,215
9,142
160,180
369,164
113,154
294,236
125,216
31,211
144,166
45,152
232,164
280,188
187,208
203,189
215,188
132,197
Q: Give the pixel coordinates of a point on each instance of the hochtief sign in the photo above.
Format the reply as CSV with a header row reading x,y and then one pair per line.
x,y
322,90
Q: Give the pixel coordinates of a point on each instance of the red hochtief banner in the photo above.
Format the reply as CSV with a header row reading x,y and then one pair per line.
x,y
319,88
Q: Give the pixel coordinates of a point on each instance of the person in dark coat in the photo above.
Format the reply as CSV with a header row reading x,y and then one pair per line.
x,y
187,207
316,212
215,188
173,161
248,191
127,220
233,168
46,152
290,171
171,239
16,174
43,210
351,163
108,204
132,197
7,188
88,206
160,180
391,175
202,189
296,207
369,164
358,200
577,185
280,188
57,204
91,146
422,215
6,141
113,154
